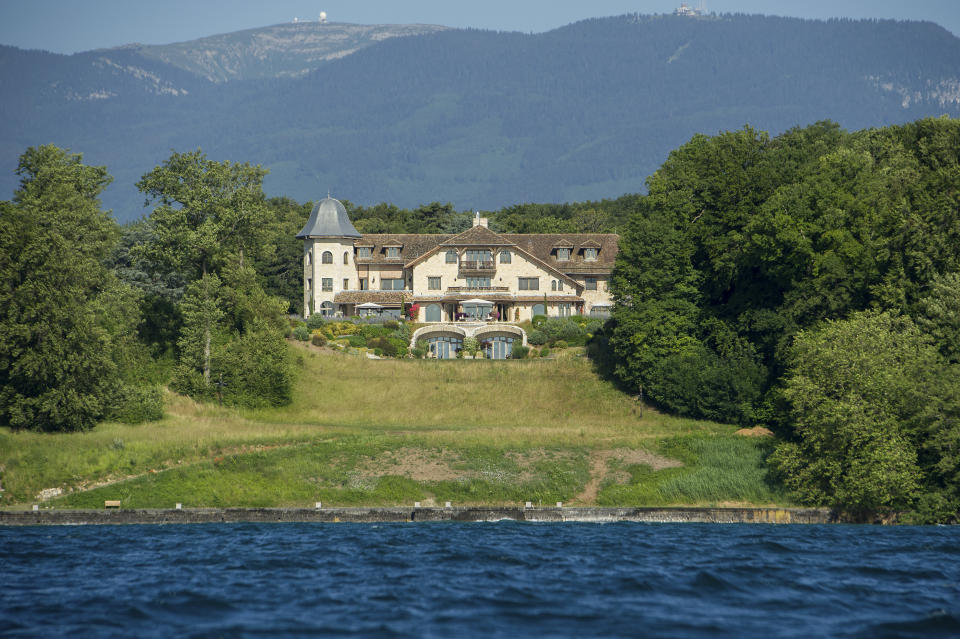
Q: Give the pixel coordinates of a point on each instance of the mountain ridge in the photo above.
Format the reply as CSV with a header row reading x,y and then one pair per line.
x,y
481,118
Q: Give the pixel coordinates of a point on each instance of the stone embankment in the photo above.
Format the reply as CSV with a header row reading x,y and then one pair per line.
x,y
373,515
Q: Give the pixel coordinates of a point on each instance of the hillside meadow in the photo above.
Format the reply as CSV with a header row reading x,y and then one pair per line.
x,y
391,432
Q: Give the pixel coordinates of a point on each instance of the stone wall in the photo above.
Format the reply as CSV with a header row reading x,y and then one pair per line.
x,y
50,517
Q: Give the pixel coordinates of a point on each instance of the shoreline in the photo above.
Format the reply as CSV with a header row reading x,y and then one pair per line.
x,y
541,514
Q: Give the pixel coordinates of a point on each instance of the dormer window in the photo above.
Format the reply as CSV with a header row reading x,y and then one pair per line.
x,y
563,255
589,255
364,252
393,252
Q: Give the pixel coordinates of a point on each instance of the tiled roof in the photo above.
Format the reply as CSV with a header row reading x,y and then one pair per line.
x,y
538,245
477,236
413,245
541,245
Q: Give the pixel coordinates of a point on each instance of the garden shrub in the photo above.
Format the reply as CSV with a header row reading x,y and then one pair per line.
x,y
301,333
538,320
519,352
403,332
545,351
137,404
401,345
318,339
419,352
559,344
391,324
537,338
315,321
357,341
383,345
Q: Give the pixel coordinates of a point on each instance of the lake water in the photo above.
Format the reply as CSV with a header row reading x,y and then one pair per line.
x,y
502,579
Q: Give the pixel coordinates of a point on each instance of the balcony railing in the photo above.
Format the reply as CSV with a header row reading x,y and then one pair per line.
x,y
477,265
482,289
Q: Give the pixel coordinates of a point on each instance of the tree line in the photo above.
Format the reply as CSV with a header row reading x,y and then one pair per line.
x,y
810,283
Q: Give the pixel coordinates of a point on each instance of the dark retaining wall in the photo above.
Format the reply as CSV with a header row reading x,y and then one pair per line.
x,y
365,515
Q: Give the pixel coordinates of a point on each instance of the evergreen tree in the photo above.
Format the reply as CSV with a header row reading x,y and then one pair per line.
x,y
65,321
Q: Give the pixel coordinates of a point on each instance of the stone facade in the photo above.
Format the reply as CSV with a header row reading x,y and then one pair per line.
x,y
476,275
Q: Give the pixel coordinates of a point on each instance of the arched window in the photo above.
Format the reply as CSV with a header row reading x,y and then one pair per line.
x,y
553,285
346,257
326,258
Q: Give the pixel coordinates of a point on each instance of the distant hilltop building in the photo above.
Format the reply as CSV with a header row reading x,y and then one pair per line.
x,y
684,10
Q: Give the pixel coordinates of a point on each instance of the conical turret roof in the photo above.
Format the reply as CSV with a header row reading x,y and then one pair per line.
x,y
328,219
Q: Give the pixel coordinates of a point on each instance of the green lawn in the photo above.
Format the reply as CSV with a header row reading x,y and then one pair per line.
x,y
391,432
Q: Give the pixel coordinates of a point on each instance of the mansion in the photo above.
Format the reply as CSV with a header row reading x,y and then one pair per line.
x,y
478,278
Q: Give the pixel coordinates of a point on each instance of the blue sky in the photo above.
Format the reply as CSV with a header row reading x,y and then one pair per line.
x,y
68,26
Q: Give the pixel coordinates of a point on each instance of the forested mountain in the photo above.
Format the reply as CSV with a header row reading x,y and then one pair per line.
x,y
481,119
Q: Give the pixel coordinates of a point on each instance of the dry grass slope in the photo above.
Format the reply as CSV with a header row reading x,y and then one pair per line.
x,y
367,432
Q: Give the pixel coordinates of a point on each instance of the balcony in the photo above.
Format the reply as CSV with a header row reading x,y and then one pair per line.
x,y
477,265
478,289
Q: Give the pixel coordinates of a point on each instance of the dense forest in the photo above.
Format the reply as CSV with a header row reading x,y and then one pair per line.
x,y
477,118
811,283
807,282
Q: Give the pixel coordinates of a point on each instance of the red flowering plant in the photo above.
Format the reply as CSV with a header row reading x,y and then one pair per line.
x,y
413,312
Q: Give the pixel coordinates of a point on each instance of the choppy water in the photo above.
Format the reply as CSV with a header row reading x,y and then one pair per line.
x,y
505,579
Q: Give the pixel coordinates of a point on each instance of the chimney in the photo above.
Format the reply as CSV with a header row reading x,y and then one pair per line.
x,y
480,221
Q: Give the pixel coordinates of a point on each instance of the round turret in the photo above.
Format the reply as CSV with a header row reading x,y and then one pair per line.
x,y
328,219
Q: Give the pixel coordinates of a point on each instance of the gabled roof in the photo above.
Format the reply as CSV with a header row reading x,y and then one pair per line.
x,y
413,245
328,219
477,236
563,243
542,246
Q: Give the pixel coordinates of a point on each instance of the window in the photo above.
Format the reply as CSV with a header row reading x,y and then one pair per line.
x,y
590,254
364,252
393,252
433,283
590,283
553,285
478,282
563,254
346,284
326,284
309,283
306,259
451,257
388,284
363,284
529,284
565,309
346,257
505,257
326,258
559,285
479,256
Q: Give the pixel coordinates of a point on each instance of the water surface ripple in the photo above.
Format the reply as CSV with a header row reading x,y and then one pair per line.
x,y
491,580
